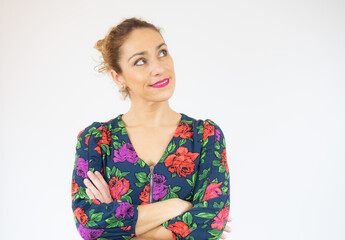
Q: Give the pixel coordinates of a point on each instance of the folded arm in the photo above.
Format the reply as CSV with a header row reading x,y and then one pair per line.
x,y
211,199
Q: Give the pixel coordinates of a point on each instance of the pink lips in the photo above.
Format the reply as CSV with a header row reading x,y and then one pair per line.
x,y
161,83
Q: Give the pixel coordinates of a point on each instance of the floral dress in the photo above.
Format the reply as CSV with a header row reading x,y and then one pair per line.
x,y
193,168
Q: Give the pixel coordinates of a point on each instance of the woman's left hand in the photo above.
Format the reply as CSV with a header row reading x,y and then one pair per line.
x,y
227,228
97,187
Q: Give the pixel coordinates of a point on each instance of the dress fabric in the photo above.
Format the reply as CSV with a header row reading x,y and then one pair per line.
x,y
193,168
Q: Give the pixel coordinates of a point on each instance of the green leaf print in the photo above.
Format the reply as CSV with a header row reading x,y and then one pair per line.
x,y
218,154
106,149
216,163
114,137
187,218
224,189
206,215
114,222
193,227
218,205
217,145
78,143
142,177
139,184
91,211
176,189
204,174
141,163
200,129
97,216
199,194
204,142
116,145
81,193
171,147
182,141
221,169
216,233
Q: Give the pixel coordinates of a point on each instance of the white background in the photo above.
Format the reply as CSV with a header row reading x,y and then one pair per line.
x,y
271,74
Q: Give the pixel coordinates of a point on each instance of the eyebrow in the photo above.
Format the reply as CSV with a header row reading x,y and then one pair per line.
x,y
145,52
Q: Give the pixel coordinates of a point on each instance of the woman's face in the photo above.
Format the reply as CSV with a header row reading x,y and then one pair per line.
x,y
145,60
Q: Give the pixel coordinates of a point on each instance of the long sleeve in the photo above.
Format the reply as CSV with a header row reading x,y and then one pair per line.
x,y
211,197
93,219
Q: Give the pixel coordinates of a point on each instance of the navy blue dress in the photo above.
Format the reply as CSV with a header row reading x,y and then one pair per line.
x,y
193,168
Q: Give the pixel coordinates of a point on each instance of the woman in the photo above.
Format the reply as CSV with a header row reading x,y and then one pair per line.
x,y
151,173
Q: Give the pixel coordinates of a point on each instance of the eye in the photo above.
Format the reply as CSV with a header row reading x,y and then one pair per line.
x,y
135,63
138,61
166,52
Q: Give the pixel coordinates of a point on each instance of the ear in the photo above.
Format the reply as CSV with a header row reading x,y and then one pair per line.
x,y
116,78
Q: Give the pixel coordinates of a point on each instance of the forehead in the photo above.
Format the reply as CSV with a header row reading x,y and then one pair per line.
x,y
144,39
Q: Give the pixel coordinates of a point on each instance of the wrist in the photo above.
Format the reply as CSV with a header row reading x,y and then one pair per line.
x,y
182,205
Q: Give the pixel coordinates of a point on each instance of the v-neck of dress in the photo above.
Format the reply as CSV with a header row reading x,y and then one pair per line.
x,y
161,158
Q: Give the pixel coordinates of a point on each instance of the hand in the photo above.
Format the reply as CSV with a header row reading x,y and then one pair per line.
x,y
227,228
97,187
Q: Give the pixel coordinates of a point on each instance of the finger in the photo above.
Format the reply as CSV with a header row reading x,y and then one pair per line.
x,y
105,191
227,228
97,183
229,219
94,191
89,193
223,236
101,179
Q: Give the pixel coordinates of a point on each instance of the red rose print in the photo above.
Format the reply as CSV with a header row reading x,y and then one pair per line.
x,y
87,140
118,187
127,228
96,201
80,215
182,162
212,191
221,217
104,140
180,228
75,188
80,133
208,130
183,131
224,161
145,194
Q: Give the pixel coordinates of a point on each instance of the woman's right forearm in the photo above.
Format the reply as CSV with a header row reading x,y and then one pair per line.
x,y
153,215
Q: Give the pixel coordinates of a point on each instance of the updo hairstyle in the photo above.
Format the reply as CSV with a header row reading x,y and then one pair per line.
x,y
109,47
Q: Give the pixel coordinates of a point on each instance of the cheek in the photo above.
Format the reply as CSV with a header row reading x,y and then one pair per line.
x,y
136,80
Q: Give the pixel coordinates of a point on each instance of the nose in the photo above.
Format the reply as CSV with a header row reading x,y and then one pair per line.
x,y
157,67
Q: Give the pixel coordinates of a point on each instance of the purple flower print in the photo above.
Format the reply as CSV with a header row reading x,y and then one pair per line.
x,y
217,135
82,167
125,209
89,234
159,189
125,152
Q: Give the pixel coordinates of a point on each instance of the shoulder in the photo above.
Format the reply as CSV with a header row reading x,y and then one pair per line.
x,y
207,128
90,129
